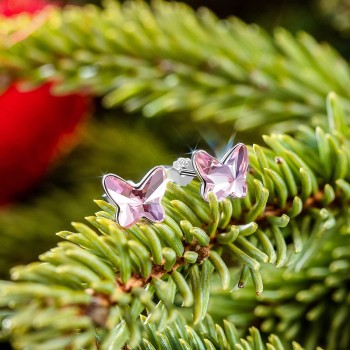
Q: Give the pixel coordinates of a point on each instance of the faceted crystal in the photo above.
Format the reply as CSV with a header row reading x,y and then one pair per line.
x,y
140,200
226,177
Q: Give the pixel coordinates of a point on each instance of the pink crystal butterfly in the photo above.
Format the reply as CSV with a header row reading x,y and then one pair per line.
x,y
226,177
135,201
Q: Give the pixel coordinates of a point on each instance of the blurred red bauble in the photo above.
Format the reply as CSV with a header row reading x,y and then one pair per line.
x,y
14,7
35,127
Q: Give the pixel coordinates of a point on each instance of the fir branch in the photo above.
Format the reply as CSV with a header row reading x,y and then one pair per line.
x,y
166,58
111,277
308,301
207,335
73,183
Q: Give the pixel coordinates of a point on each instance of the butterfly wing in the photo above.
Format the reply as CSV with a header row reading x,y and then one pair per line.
x,y
153,187
238,161
212,173
123,195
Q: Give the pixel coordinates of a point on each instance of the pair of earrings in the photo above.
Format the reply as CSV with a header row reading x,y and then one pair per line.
x,y
224,177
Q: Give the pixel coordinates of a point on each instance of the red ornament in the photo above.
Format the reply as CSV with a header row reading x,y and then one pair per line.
x,y
35,126
13,7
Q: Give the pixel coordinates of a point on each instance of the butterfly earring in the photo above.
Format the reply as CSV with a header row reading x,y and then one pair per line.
x,y
136,201
143,200
225,177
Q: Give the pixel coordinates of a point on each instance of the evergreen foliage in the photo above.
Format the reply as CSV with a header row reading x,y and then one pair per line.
x,y
309,302
166,58
74,183
105,279
162,285
207,336
338,13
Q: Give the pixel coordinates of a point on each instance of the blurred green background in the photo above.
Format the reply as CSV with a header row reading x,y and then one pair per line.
x,y
130,145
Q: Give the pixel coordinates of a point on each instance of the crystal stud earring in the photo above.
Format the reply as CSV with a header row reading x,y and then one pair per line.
x,y
225,177
136,201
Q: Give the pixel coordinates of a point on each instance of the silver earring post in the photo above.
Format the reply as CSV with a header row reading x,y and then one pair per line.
x,y
182,171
